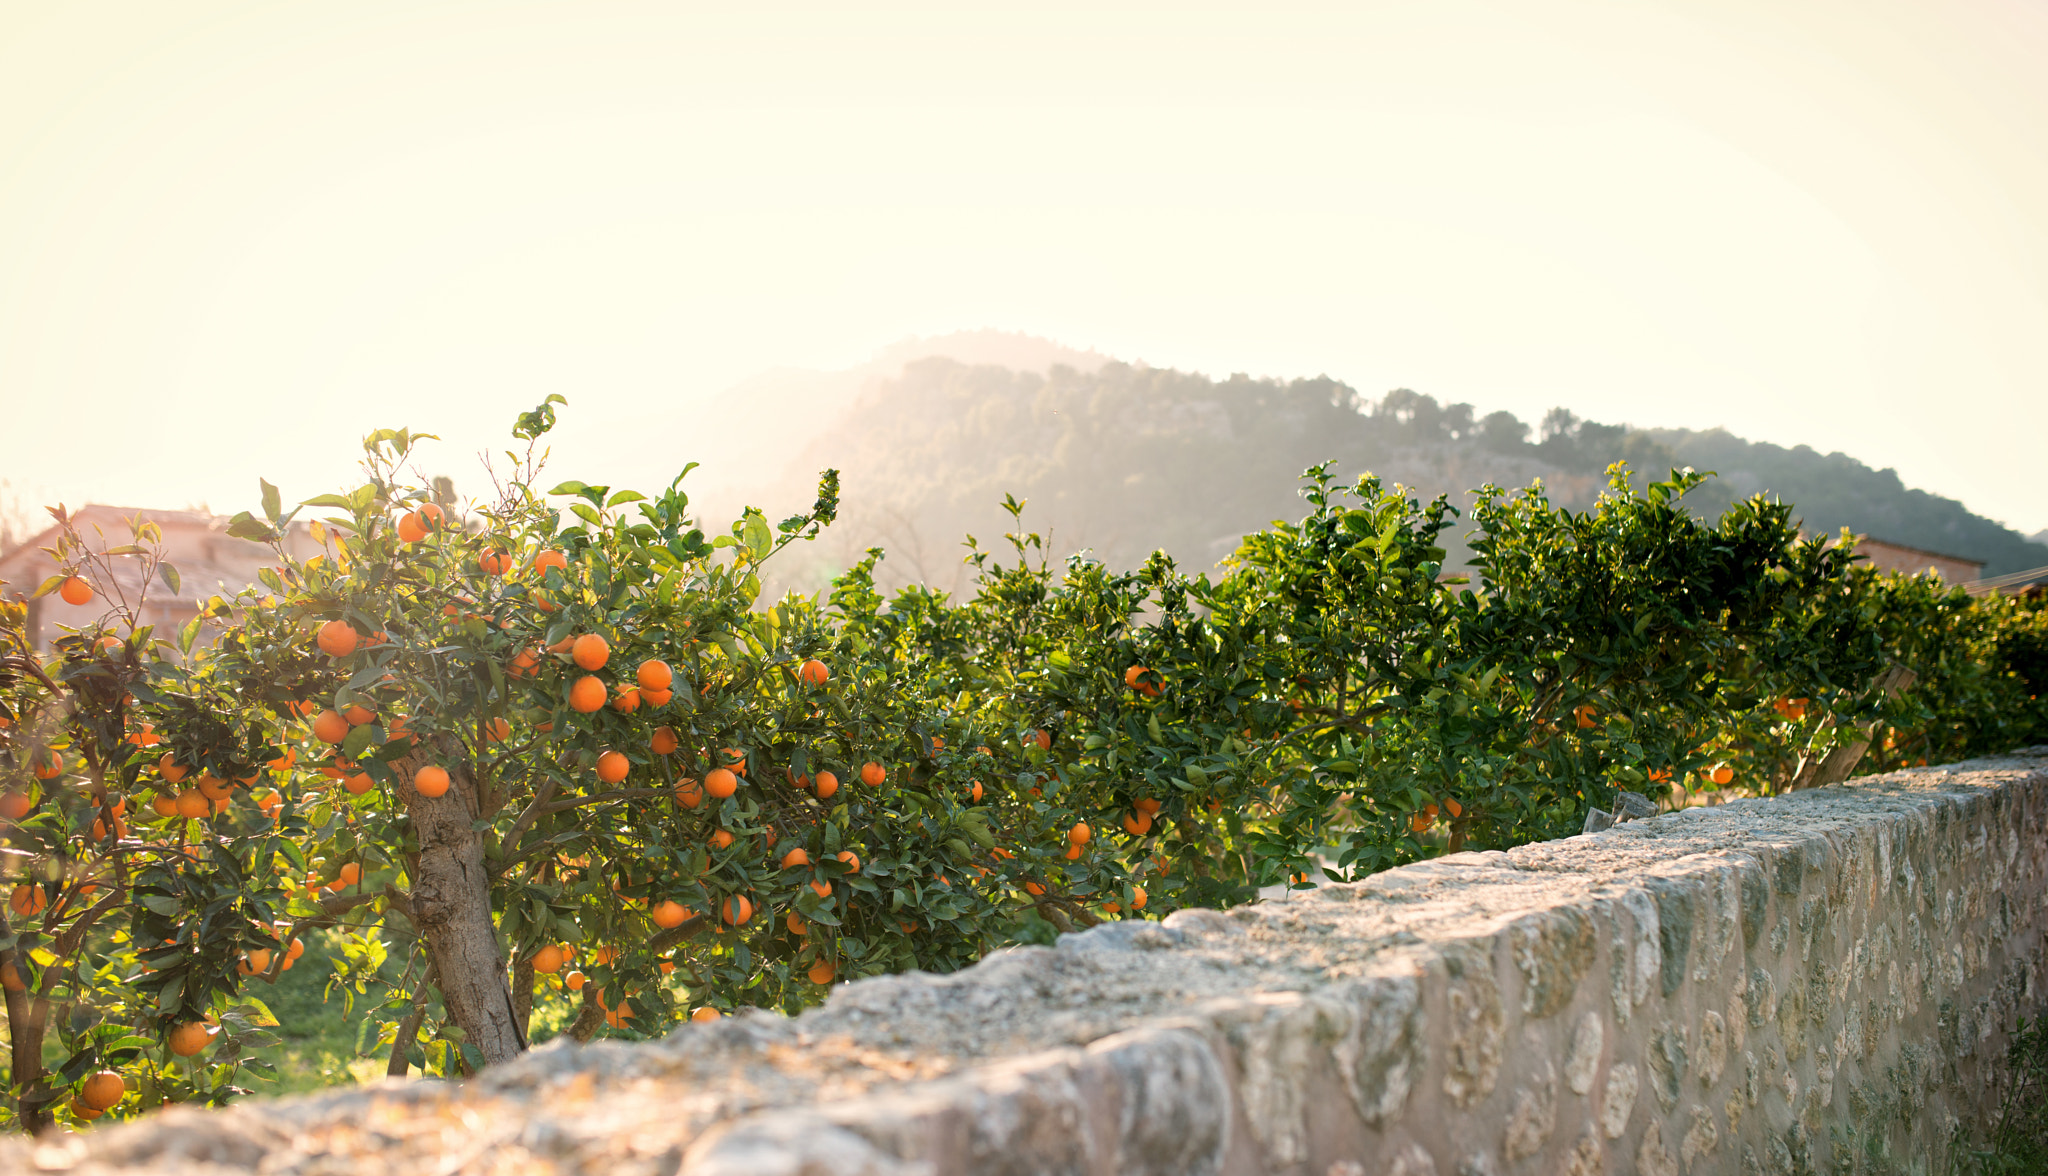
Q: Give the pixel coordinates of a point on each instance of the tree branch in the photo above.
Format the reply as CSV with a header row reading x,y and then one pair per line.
x,y
563,806
409,1029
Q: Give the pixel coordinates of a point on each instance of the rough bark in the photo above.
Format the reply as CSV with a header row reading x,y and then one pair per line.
x,y
451,905
588,1018
27,1020
522,994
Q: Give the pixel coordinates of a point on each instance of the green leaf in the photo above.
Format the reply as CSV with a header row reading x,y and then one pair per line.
x,y
755,533
255,1012
272,503
625,496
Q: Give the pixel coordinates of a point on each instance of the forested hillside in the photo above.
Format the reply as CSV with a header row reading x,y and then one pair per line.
x,y
1124,459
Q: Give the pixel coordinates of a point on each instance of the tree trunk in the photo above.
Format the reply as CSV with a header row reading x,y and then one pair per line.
x,y
522,994
27,1020
451,905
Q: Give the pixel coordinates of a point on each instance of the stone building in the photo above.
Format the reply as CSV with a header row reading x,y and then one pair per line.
x,y
208,560
1897,557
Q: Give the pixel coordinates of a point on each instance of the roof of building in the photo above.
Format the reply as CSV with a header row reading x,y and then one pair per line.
x,y
1920,550
2009,582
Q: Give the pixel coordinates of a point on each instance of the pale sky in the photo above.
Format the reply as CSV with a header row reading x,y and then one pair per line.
x,y
235,236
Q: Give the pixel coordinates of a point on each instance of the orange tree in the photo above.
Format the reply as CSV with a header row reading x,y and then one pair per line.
x,y
1332,694
556,749
544,746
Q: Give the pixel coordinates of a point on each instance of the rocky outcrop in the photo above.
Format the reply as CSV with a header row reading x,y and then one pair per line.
x,y
1776,986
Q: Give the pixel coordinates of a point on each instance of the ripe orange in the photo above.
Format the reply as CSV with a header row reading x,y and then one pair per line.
x,y
430,781
851,858
794,922
350,874
574,981
359,783
524,664
736,910
1079,834
190,1038
1722,774
494,562
1585,714
822,887
1137,824
269,802
813,672
590,651
48,765
736,759
796,857
550,558
654,674
707,1013
212,787
689,793
27,899
285,761
1137,898
358,714
1132,675
825,785
720,783
628,700
165,805
1073,853
548,959
669,913
664,741
721,839
1034,889
497,730
410,528
102,1090
612,767
872,774
587,695
338,639
1044,740
329,727
821,972
192,805
14,805
656,697
1147,805
75,591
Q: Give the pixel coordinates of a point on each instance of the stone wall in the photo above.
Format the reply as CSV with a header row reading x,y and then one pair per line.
x,y
1820,983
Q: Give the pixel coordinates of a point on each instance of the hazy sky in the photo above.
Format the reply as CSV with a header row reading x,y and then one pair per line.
x,y
234,236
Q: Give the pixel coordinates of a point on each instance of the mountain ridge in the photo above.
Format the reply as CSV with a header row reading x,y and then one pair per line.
x,y
1120,458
